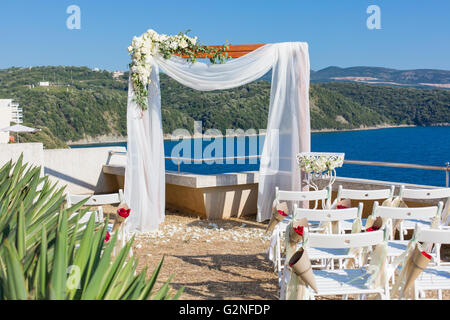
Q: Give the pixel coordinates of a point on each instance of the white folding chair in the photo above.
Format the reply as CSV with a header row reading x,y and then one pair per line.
x,y
435,276
331,215
397,247
425,194
344,281
295,198
361,195
299,196
99,200
95,200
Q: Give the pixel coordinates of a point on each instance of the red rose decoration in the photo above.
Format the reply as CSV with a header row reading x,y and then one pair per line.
x,y
373,228
340,206
123,213
426,255
284,214
107,236
299,230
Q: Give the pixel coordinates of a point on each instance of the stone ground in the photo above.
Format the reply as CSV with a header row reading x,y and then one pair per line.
x,y
213,260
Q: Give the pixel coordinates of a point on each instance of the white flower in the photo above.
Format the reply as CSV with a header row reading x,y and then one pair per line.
x,y
193,40
173,45
152,34
147,50
183,43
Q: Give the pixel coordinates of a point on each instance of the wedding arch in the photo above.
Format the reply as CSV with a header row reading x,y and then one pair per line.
x,y
288,126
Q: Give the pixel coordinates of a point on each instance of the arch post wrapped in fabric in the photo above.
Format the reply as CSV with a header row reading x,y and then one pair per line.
x,y
288,126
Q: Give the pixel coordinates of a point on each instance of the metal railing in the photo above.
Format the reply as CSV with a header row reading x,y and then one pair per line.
x,y
404,165
446,168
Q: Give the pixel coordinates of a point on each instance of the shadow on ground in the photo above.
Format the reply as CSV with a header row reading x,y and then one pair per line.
x,y
250,269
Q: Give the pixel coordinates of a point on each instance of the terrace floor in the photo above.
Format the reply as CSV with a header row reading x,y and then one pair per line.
x,y
215,260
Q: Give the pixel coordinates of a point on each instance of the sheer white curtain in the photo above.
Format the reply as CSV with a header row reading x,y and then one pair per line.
x,y
288,128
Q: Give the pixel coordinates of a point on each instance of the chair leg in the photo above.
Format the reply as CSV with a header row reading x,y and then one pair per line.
x,y
416,294
401,231
437,248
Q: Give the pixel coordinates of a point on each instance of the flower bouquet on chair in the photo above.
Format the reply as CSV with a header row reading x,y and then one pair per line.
x,y
343,204
123,213
296,233
416,262
373,224
301,276
279,212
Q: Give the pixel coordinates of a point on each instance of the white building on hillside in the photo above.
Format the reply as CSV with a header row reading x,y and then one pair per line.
x,y
9,112
117,74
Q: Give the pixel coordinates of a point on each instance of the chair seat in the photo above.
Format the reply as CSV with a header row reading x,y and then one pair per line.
x,y
323,253
284,223
397,247
327,253
347,225
343,281
411,224
434,278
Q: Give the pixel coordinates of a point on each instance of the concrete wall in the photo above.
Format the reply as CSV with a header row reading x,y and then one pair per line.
x,y
33,153
81,169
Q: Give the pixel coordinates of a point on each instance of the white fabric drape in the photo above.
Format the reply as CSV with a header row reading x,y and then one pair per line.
x,y
145,172
288,128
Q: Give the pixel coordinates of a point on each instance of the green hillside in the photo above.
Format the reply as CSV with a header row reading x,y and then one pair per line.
x,y
398,105
83,103
409,78
45,136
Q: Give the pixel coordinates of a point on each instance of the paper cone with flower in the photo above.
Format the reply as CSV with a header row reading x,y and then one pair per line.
x,y
415,260
279,212
296,234
123,212
301,268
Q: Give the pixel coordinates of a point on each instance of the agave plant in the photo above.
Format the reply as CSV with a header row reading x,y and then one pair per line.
x,y
45,253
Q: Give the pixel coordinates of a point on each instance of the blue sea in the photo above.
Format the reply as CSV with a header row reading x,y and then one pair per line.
x,y
416,145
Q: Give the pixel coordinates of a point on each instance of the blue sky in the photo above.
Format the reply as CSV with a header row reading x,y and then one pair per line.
x,y
414,34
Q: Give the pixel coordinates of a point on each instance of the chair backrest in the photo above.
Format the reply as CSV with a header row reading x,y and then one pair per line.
x,y
99,199
328,214
364,194
421,213
424,193
302,195
432,235
349,240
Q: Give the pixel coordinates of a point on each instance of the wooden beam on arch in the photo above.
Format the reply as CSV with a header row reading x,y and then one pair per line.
x,y
234,51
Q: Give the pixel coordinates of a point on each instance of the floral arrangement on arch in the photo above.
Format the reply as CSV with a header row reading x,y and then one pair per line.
x,y
151,43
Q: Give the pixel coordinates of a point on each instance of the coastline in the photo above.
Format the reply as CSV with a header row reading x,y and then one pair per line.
x,y
386,126
102,140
